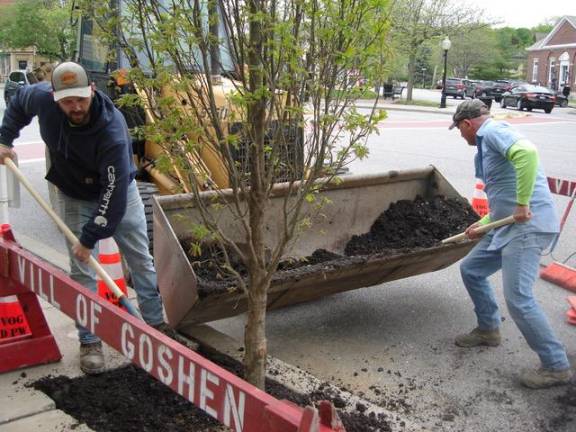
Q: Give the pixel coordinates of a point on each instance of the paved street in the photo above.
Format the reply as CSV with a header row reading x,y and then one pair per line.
x,y
394,342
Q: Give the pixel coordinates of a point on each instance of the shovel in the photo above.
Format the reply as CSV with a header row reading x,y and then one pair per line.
x,y
122,299
480,230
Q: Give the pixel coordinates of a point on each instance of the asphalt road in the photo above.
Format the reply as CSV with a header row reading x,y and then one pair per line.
x,y
394,342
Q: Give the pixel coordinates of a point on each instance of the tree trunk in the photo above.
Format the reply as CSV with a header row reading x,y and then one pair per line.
x,y
411,68
255,334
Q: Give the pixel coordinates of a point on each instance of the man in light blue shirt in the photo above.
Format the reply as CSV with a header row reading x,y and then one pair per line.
x,y
516,185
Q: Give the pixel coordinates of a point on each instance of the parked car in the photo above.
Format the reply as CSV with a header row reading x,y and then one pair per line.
x,y
500,87
483,88
455,87
17,79
529,96
470,88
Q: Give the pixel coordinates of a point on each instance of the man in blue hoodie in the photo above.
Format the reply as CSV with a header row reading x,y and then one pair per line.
x,y
93,170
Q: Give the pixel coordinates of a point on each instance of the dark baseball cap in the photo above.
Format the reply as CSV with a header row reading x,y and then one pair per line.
x,y
469,110
69,79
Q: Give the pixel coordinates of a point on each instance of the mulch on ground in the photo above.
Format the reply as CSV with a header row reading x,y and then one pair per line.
x,y
129,400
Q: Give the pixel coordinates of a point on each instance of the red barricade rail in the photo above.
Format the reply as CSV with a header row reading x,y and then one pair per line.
x,y
221,394
562,187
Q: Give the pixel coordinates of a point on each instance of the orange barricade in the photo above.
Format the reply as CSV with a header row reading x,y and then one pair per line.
x,y
110,259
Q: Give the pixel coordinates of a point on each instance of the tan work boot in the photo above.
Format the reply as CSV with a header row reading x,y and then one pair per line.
x,y
92,358
543,378
172,334
479,337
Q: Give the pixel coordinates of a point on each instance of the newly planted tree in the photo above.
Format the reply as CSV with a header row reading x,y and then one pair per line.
x,y
243,95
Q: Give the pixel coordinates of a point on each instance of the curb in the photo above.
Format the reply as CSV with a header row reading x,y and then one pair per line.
x,y
408,108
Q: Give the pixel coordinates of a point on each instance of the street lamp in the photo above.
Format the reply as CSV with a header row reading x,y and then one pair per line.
x,y
446,44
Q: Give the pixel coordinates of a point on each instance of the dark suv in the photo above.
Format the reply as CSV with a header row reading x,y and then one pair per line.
x,y
501,86
456,87
17,79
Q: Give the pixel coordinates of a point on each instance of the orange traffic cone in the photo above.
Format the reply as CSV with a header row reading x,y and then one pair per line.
x,y
13,322
109,258
480,199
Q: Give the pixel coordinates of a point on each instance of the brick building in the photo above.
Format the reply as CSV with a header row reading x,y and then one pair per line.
x,y
551,60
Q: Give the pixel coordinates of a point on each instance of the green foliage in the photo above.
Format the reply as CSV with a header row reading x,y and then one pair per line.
x,y
42,24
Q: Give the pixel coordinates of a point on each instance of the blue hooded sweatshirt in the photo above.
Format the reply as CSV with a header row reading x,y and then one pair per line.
x,y
92,162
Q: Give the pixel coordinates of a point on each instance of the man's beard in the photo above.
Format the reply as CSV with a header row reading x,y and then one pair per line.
x,y
79,118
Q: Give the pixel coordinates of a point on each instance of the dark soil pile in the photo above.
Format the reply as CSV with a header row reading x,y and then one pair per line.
x,y
129,400
406,226
413,224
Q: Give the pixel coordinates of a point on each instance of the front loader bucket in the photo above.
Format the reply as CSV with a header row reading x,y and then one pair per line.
x,y
354,206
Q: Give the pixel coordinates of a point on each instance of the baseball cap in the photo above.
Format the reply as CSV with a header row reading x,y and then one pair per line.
x,y
469,110
70,79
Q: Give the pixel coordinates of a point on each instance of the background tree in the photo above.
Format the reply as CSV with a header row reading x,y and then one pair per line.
x,y
297,70
44,24
470,50
415,22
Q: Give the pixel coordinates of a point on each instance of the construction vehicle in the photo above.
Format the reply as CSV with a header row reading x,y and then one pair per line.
x,y
108,66
356,203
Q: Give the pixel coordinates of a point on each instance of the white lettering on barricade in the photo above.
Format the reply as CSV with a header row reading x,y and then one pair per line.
x,y
236,410
34,279
194,381
145,356
186,379
87,313
165,373
206,393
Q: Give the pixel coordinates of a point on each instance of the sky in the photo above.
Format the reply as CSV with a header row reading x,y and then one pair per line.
x,y
524,13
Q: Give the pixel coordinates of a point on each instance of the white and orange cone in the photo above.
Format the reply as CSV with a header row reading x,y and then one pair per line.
x,y
110,259
480,199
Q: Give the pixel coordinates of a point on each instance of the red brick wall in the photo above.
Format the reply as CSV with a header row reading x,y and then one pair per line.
x,y
565,35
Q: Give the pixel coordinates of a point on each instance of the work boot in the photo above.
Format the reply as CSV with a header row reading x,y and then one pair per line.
x,y
92,358
479,337
543,378
172,334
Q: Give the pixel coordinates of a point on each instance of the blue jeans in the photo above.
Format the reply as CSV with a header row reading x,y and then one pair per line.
x,y
132,240
519,261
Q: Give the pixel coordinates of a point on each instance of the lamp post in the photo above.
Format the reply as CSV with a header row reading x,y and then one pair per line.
x,y
446,44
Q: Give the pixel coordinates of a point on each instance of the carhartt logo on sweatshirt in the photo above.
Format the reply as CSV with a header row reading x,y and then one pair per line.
x,y
105,201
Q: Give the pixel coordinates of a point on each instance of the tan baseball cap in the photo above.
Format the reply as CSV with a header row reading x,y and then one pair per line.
x,y
69,79
469,110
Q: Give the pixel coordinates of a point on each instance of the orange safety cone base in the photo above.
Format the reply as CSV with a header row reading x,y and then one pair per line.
x,y
28,350
561,275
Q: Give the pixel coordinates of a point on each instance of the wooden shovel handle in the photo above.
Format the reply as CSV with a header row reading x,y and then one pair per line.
x,y
70,236
480,230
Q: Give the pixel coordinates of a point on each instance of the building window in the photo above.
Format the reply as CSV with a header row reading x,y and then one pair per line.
x,y
535,71
22,64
